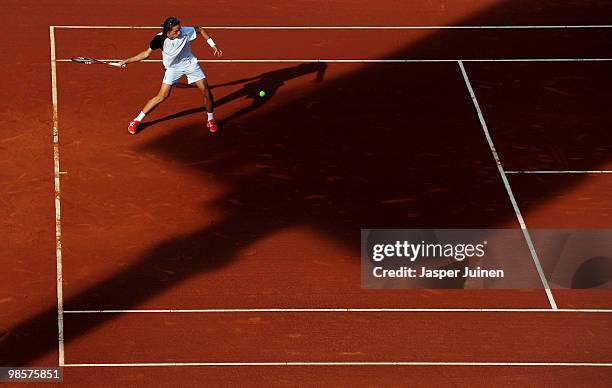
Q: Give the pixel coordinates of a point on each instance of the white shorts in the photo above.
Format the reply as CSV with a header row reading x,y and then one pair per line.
x,y
193,74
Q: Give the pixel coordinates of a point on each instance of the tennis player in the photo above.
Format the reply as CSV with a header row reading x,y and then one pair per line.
x,y
175,43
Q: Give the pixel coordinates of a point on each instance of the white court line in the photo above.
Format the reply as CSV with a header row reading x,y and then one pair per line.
x,y
373,60
511,27
504,178
58,224
561,172
344,310
351,363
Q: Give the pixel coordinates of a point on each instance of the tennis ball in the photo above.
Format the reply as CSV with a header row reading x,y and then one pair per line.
x,y
262,93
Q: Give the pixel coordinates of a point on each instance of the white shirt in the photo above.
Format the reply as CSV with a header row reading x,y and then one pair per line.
x,y
176,53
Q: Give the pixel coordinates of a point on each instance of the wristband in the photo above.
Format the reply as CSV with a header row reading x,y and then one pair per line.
x,y
210,42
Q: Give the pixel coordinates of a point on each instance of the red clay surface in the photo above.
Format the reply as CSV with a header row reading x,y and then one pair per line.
x,y
339,337
267,213
271,205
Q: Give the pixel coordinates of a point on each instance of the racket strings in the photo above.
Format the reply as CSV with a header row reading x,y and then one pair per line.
x,y
84,60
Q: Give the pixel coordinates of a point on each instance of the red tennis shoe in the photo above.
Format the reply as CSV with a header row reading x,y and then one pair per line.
x,y
133,127
212,126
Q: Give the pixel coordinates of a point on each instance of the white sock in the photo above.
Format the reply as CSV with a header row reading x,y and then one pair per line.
x,y
140,117
211,116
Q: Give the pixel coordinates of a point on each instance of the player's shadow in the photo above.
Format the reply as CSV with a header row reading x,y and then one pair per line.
x,y
270,82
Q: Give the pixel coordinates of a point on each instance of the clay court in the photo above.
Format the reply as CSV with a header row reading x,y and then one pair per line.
x,y
177,257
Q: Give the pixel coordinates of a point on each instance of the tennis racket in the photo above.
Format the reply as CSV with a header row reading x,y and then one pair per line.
x,y
91,61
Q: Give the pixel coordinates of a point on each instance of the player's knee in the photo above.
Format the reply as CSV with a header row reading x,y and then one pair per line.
x,y
203,86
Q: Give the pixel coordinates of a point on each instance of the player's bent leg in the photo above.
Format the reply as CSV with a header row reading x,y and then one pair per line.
x,y
202,84
163,94
206,93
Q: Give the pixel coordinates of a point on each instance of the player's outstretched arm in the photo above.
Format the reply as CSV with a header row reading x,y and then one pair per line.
x,y
209,40
136,58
